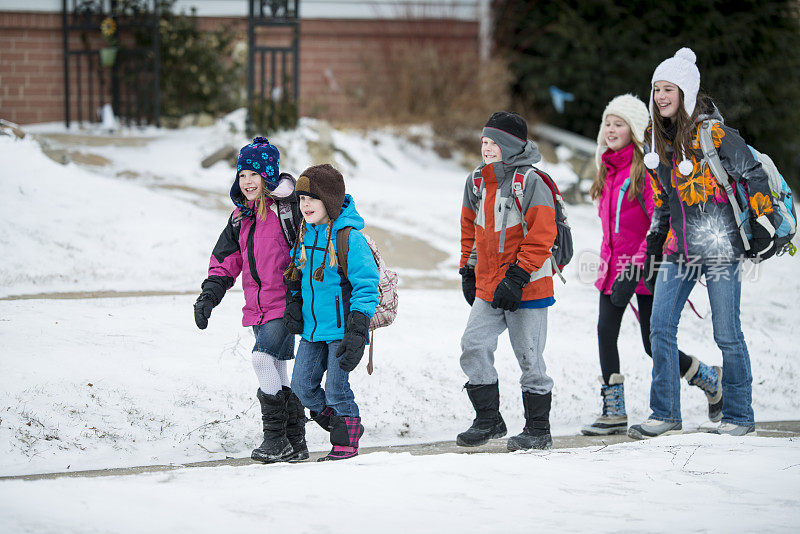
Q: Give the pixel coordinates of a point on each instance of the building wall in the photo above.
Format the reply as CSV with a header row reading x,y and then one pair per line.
x,y
336,57
31,67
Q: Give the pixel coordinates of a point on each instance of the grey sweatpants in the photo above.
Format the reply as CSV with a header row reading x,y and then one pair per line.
x,y
527,330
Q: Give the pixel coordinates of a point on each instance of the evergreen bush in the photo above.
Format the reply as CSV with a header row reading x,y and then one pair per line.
x,y
748,53
199,71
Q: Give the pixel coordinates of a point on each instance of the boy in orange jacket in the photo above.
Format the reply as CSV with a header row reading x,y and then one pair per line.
x,y
506,272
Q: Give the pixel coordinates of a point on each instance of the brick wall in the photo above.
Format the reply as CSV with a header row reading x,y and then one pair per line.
x,y
31,67
336,56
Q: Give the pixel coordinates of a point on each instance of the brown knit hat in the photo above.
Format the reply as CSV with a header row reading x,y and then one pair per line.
x,y
325,183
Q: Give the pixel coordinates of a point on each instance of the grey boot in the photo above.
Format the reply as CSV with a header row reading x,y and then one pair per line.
x,y
536,434
488,423
653,428
275,447
734,430
709,379
613,420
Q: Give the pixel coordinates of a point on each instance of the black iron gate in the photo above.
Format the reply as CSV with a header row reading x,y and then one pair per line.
x,y
104,62
273,71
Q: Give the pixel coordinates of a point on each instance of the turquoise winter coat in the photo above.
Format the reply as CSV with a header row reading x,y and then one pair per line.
x,y
327,304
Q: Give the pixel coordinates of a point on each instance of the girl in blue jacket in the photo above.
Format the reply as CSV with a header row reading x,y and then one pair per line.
x,y
331,310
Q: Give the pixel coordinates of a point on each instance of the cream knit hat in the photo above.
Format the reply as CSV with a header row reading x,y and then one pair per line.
x,y
631,110
682,71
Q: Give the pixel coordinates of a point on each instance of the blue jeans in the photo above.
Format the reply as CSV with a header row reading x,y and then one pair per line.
x,y
312,361
724,285
274,338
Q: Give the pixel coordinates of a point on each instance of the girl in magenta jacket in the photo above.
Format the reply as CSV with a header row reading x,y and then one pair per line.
x,y
625,207
255,243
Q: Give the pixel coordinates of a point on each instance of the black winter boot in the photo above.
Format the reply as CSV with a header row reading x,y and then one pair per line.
x,y
488,423
323,418
275,447
296,426
536,434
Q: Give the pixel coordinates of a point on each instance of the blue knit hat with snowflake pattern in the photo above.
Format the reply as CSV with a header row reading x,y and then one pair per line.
x,y
261,157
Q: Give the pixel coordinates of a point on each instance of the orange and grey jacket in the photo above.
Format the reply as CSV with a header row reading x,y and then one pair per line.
x,y
492,236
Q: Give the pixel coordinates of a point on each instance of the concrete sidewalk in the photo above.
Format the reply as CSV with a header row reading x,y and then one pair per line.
x,y
769,429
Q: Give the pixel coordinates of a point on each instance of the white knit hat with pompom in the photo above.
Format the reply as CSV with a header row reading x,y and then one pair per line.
x,y
631,110
681,70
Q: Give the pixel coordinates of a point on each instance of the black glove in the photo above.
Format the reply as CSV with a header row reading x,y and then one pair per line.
x,y
293,314
214,288
652,261
467,273
351,349
625,285
202,309
762,245
508,294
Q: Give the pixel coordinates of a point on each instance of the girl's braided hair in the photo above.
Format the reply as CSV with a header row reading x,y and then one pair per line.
x,y
293,273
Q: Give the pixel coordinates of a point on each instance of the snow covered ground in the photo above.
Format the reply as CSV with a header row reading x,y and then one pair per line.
x,y
689,483
107,382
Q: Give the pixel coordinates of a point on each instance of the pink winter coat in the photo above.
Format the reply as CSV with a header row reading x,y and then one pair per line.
x,y
625,223
257,250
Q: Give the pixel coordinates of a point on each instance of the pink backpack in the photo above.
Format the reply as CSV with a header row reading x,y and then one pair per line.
x,y
386,310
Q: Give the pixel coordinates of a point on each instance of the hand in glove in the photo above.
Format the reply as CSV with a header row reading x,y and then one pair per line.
x,y
202,309
293,314
351,349
508,294
761,245
214,288
625,285
652,261
468,283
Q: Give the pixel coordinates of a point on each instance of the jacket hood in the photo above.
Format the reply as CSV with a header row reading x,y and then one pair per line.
x,y
349,216
284,191
529,156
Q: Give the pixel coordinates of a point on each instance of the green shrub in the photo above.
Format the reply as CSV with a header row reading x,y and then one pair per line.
x,y
748,53
199,72
268,116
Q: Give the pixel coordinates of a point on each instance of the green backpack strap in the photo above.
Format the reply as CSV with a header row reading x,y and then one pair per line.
x,y
343,247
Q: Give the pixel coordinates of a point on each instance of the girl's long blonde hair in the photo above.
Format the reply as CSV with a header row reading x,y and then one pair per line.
x,y
293,272
261,203
637,173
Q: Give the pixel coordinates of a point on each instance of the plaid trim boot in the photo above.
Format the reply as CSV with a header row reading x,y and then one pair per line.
x,y
709,379
345,433
275,447
296,426
323,418
613,420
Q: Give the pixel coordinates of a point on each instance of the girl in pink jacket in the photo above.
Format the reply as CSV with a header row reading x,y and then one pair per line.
x,y
625,206
255,244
